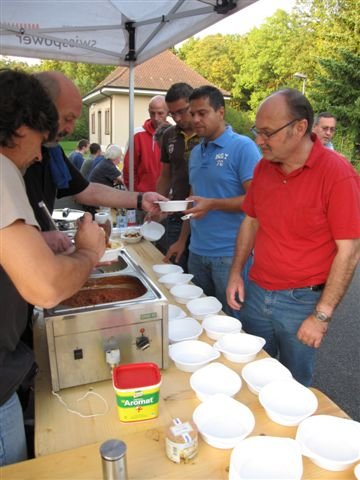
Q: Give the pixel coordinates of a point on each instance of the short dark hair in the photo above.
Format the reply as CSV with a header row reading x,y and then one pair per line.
x,y
94,148
216,98
298,105
83,143
323,115
24,102
177,91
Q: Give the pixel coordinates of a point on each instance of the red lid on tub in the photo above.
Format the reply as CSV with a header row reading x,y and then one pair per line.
x,y
136,375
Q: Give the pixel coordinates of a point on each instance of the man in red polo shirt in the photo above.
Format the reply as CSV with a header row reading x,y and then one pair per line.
x,y
303,221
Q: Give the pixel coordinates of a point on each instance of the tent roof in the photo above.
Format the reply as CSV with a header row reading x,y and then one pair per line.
x,y
155,75
108,32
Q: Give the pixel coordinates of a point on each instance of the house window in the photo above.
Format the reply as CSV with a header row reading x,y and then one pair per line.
x,y
93,123
107,122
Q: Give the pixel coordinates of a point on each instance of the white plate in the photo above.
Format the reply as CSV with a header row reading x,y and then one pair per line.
x,y
175,312
184,329
200,308
239,347
223,422
191,355
287,402
162,269
218,325
266,458
261,372
152,231
213,379
332,443
174,205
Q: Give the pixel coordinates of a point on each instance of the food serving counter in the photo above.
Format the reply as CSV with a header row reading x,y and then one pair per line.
x,y
67,446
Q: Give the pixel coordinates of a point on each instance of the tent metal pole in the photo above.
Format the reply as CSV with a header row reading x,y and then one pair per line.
x,y
131,124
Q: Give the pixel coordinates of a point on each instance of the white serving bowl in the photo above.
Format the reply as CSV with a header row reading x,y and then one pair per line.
x,y
185,293
213,379
200,308
191,355
175,312
261,372
172,279
223,422
152,231
174,205
184,329
162,269
216,326
239,347
127,237
263,457
287,402
332,443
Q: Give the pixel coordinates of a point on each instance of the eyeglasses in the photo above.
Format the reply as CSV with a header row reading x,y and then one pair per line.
x,y
331,129
266,135
179,113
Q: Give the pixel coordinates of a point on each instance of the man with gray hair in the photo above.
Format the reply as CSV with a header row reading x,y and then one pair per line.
x,y
325,127
106,172
147,166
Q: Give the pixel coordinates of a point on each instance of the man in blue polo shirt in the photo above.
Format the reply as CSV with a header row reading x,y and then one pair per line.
x,y
220,172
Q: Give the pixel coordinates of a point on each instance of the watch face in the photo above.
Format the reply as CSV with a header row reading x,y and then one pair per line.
x,y
322,316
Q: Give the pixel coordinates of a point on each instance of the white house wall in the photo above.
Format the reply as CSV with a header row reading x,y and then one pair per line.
x,y
119,128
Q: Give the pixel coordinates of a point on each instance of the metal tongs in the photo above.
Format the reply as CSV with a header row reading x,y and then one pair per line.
x,y
52,225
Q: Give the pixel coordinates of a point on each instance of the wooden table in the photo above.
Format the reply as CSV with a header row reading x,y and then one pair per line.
x,y
67,445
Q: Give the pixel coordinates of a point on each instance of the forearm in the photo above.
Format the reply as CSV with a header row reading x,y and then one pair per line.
x,y
97,194
233,204
341,273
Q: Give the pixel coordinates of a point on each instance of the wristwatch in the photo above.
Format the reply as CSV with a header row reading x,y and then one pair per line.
x,y
139,201
321,316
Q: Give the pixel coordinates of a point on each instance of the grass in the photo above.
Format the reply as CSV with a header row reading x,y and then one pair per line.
x,y
69,146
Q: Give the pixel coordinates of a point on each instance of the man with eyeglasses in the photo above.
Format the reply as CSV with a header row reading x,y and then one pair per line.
x,y
220,171
177,143
325,128
303,222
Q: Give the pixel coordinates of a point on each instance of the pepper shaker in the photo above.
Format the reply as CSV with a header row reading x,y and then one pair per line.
x,y
113,458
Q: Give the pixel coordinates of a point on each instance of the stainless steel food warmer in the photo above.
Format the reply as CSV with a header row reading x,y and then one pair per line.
x,y
118,311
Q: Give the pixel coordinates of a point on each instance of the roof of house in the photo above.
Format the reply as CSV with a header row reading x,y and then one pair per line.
x,y
158,73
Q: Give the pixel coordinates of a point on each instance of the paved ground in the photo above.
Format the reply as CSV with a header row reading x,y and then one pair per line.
x,y
337,371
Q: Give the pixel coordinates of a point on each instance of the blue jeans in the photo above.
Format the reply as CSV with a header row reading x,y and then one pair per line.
x,y
276,315
211,274
12,432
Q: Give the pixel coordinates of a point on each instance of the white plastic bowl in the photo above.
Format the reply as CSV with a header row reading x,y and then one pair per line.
x,y
126,235
218,325
175,312
191,355
184,329
152,231
213,379
172,279
263,457
332,443
174,205
261,372
200,308
223,422
287,402
239,347
185,293
162,269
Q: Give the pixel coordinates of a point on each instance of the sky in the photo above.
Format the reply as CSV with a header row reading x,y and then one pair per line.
x,y
249,17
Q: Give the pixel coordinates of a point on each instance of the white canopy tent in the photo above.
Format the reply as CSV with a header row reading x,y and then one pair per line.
x,y
110,32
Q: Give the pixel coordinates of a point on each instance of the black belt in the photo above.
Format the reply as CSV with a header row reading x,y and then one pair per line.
x,y
314,288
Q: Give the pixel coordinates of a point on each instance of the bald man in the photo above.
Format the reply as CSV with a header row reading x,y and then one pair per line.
x,y
303,221
55,176
147,165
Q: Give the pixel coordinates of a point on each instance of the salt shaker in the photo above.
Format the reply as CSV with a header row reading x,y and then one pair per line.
x,y
113,458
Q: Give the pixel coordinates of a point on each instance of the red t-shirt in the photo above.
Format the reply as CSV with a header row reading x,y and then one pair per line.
x,y
300,216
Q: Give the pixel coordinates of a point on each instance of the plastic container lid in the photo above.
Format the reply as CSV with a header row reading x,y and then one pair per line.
x,y
136,375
